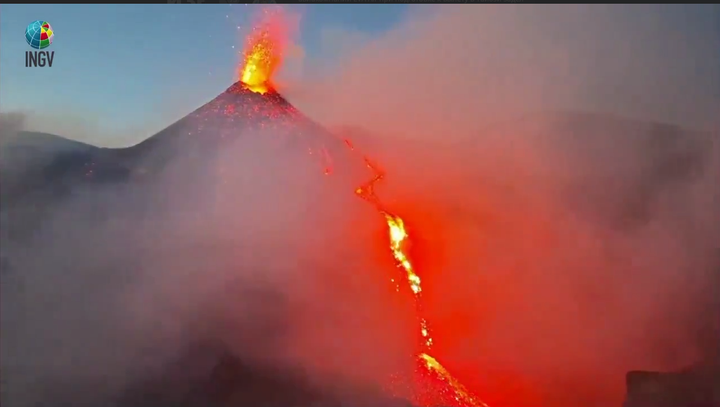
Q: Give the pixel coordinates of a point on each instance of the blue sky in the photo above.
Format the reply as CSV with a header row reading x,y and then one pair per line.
x,y
127,69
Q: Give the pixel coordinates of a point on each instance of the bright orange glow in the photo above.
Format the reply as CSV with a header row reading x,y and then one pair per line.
x,y
450,388
263,52
460,394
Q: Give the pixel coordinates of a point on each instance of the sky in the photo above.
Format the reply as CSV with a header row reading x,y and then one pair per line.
x,y
131,70
136,69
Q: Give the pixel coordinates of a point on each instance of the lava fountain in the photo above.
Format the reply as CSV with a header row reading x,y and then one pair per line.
x,y
263,53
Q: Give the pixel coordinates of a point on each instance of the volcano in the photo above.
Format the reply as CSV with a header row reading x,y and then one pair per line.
x,y
251,113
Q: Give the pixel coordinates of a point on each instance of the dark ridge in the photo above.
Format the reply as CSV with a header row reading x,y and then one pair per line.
x,y
698,386
25,139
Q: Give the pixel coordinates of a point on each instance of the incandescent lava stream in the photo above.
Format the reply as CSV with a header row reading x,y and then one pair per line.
x,y
434,384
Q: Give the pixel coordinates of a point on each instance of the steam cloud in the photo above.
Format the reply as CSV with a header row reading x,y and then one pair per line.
x,y
558,250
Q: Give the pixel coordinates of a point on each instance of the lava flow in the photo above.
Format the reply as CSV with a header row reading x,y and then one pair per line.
x,y
261,58
452,391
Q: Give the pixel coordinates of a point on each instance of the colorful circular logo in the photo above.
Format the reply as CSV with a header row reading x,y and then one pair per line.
x,y
39,34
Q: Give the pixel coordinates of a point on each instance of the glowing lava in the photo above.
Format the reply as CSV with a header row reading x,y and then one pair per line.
x,y
452,391
435,384
263,53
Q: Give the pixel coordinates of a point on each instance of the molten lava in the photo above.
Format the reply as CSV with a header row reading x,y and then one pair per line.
x,y
428,367
259,65
436,385
263,53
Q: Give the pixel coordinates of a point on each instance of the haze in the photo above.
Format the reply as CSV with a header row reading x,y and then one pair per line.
x,y
558,169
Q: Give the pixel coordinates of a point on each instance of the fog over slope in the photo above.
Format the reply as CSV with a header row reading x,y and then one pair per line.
x,y
106,284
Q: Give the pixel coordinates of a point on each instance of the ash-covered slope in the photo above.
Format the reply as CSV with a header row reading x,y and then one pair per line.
x,y
234,114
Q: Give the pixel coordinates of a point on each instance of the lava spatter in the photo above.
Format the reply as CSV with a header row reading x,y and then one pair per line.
x,y
263,51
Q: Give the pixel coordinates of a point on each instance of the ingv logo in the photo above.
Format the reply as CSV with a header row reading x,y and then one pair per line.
x,y
39,35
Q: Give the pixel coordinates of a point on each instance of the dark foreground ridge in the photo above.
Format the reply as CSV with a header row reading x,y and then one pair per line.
x,y
696,386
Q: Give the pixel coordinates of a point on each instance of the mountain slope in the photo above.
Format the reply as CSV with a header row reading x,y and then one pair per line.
x,y
235,113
